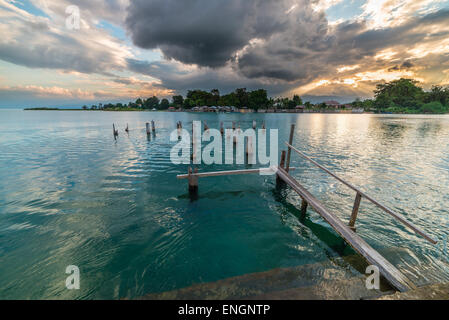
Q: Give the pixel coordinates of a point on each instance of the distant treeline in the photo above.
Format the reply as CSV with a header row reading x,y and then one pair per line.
x,y
240,98
398,96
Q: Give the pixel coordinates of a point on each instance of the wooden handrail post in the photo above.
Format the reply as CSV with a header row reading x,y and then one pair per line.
x,y
289,154
355,211
304,206
191,145
367,197
279,181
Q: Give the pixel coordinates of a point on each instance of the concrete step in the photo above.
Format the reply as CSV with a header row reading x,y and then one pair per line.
x,y
337,278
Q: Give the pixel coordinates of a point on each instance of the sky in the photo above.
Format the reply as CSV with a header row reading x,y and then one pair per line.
x,y
126,49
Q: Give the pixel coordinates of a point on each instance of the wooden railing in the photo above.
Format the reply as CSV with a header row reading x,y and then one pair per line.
x,y
359,196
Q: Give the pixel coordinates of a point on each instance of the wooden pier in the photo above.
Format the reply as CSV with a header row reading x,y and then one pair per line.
x,y
346,231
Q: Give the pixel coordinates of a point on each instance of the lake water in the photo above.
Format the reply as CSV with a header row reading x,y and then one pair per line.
x,y
71,195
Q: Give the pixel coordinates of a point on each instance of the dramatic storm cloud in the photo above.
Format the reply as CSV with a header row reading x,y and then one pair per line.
x,y
130,48
205,32
288,41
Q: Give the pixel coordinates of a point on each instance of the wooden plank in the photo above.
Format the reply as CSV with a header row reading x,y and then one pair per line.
x,y
393,275
355,211
289,153
377,203
228,173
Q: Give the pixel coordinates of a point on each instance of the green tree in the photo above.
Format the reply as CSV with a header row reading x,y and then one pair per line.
x,y
151,103
178,101
242,97
215,96
297,100
165,104
438,93
188,103
402,93
258,99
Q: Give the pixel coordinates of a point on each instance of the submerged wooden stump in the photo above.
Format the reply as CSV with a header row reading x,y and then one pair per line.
x,y
193,182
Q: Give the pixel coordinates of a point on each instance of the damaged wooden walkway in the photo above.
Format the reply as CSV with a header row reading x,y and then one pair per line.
x,y
347,232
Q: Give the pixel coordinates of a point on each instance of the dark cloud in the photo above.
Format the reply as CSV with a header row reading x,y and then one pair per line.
x,y
204,32
173,75
404,66
265,42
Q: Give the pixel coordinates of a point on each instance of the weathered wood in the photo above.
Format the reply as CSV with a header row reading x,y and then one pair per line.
x,y
153,126
229,173
191,145
289,153
304,206
364,195
282,162
148,128
193,181
281,165
355,211
393,275
114,132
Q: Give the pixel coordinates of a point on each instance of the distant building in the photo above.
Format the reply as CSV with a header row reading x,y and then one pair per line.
x,y
332,103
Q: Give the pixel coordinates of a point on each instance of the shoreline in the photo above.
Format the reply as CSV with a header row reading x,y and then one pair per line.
x,y
280,112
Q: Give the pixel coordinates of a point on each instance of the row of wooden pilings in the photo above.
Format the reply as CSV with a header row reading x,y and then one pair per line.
x,y
284,164
150,128
193,178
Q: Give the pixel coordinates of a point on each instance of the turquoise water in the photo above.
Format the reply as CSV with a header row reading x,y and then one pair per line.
x,y
71,195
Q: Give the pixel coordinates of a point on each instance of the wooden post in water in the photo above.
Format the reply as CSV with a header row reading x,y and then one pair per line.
x,y
153,126
304,206
127,128
289,154
235,135
355,211
279,181
193,182
115,132
191,145
148,128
